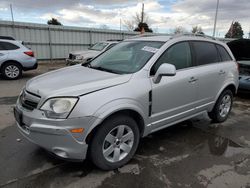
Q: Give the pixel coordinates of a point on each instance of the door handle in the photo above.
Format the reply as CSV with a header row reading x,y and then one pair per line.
x,y
222,72
192,80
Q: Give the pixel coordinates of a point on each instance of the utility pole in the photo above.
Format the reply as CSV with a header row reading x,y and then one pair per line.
x,y
142,13
13,22
11,11
215,18
120,25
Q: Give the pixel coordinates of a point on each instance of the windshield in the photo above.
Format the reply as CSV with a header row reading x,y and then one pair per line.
x,y
98,46
126,57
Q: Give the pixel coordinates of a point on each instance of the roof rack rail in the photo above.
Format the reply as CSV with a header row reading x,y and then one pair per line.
x,y
144,35
114,40
194,35
7,38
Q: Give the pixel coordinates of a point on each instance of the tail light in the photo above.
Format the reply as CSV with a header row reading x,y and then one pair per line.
x,y
29,53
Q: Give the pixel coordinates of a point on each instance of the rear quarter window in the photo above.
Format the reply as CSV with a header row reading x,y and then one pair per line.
x,y
1,46
8,46
223,53
205,53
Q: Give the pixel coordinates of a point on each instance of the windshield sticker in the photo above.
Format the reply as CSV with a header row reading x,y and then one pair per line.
x,y
150,49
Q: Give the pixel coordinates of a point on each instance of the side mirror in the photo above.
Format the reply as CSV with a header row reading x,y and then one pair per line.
x,y
164,70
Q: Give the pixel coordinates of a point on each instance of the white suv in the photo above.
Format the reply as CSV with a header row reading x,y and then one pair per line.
x,y
15,58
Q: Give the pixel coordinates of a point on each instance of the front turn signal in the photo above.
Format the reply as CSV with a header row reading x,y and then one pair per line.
x,y
79,130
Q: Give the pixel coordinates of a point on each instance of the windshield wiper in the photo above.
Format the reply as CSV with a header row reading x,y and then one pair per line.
x,y
87,63
104,69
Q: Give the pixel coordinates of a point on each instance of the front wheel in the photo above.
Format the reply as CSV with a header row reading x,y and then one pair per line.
x,y
222,107
115,142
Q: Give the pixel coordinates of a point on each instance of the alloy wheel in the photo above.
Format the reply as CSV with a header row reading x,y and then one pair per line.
x,y
12,71
118,143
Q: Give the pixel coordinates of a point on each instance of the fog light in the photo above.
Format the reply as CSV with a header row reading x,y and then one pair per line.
x,y
60,153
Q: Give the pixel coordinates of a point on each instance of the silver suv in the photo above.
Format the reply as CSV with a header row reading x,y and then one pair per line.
x,y
139,86
15,58
83,56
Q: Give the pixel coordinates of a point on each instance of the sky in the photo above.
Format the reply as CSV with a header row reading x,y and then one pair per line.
x,y
163,16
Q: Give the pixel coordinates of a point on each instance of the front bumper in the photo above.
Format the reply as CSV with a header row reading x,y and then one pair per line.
x,y
54,134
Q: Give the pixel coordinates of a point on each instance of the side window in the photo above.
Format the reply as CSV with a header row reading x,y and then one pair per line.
x,y
10,46
223,53
205,53
179,55
1,46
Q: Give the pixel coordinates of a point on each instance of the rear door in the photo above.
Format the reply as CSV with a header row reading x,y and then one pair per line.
x,y
210,72
3,53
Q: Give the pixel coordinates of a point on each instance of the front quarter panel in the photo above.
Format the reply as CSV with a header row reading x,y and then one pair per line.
x,y
132,95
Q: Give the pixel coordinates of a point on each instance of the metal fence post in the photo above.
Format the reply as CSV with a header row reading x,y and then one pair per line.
x,y
50,46
90,38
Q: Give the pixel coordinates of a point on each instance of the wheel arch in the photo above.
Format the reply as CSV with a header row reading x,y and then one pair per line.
x,y
126,111
230,86
11,61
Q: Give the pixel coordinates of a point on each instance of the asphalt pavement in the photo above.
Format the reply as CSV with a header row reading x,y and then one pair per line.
x,y
195,153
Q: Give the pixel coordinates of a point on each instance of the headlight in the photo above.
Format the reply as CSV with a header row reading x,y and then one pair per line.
x,y
59,108
79,57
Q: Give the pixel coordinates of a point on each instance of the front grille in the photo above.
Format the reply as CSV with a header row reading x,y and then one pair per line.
x,y
29,100
71,56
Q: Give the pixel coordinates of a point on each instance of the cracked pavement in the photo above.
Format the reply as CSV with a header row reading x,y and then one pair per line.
x,y
195,153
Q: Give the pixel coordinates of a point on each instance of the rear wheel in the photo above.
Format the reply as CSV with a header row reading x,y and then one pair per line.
x,y
11,71
222,107
115,142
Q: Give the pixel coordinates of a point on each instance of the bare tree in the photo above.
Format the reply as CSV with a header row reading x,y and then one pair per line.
x,y
179,30
138,20
129,24
104,26
197,30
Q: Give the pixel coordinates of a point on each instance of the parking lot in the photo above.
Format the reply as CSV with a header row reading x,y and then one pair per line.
x,y
195,153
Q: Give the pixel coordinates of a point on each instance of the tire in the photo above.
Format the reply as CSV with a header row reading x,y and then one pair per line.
x,y
11,71
222,108
107,148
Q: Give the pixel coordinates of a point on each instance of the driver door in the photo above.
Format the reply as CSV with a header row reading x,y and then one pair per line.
x,y
174,97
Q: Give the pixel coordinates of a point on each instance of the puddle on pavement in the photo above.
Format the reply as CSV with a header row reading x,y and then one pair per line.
x,y
168,157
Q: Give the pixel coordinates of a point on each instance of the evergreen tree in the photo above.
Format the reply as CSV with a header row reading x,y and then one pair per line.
x,y
53,21
235,31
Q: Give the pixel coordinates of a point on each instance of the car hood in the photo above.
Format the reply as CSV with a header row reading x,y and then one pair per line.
x,y
240,49
73,81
